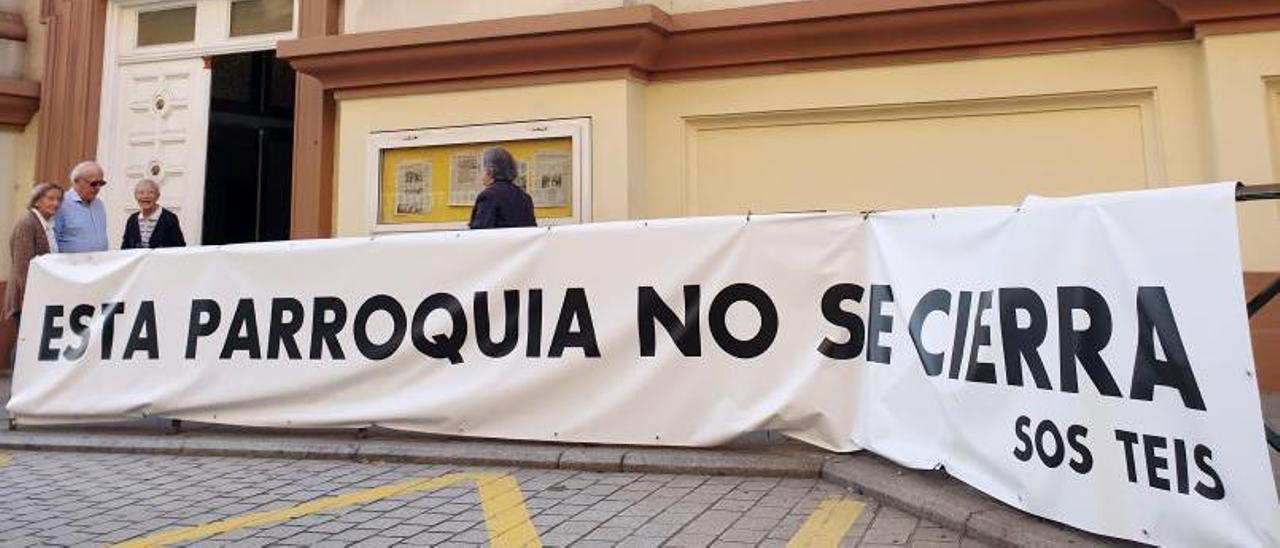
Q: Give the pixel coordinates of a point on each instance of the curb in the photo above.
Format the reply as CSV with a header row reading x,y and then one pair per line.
x,y
745,462
940,498
932,495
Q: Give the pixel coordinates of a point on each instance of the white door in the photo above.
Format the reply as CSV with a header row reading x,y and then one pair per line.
x,y
161,125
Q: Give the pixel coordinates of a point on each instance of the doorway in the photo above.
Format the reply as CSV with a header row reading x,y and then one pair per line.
x,y
249,166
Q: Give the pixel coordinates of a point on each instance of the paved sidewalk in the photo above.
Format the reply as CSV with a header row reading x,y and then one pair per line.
x,y
925,494
73,499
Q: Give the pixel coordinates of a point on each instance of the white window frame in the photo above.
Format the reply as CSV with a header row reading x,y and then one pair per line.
x,y
577,129
212,36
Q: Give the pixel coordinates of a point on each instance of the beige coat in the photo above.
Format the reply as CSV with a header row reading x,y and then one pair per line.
x,y
27,242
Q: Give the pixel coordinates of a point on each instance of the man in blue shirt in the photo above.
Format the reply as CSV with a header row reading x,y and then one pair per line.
x,y
81,222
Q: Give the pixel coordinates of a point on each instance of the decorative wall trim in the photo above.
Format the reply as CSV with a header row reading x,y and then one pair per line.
x,y
1142,100
72,85
815,34
19,100
12,27
315,115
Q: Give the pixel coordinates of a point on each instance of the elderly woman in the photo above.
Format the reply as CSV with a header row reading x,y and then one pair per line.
x,y
152,226
32,237
501,204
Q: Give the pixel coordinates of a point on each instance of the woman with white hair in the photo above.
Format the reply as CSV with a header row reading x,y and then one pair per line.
x,y
32,237
501,204
152,226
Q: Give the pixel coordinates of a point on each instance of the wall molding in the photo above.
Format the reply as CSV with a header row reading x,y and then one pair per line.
x,y
12,27
19,100
1143,100
651,44
71,86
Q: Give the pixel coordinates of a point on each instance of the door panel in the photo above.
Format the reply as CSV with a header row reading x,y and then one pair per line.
x,y
161,124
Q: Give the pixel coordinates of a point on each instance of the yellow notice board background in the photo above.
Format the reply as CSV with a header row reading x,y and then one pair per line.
x,y
435,164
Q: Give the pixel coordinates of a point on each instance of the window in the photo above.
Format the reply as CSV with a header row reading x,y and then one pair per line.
x,y
428,179
167,26
249,17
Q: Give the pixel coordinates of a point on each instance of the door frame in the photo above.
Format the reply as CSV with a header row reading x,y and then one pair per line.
x,y
212,37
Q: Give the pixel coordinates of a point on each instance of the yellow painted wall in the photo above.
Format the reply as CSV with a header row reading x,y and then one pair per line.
x,y
608,103
1241,69
971,132
985,131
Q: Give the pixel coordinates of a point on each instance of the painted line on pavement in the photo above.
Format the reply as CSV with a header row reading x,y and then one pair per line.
x,y
828,523
5,458
505,513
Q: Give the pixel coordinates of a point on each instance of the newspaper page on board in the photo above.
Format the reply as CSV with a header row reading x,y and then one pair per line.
x,y
552,178
464,181
413,188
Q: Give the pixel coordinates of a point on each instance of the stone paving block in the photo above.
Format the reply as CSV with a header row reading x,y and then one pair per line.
x,y
691,540
931,532
660,530
430,538
428,519
453,526
377,542
610,534
476,536
641,542
304,539
379,523
404,530
890,530
743,535
330,527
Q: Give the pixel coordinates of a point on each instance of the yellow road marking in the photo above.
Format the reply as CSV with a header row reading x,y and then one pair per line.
x,y
505,514
5,458
828,523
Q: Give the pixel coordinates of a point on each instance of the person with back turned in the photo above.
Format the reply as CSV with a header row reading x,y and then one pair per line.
x,y
501,204
152,226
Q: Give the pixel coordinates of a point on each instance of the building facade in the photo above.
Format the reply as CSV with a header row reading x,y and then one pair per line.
x,y
690,107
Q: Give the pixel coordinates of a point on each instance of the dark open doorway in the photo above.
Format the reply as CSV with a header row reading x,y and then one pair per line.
x,y
249,167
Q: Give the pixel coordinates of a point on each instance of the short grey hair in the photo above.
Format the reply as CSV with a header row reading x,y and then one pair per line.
x,y
78,171
499,164
40,189
147,182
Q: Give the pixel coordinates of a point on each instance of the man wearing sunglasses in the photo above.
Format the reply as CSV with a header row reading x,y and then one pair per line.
x,y
81,222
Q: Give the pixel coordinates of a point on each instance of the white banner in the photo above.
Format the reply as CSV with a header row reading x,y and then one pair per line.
x,y
1085,359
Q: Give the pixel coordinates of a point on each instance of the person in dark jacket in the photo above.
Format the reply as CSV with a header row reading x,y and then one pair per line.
x,y
152,226
501,204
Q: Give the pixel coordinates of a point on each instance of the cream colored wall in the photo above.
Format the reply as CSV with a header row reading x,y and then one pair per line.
x,y
958,133
610,104
982,131
1241,70
18,148
371,15
921,135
